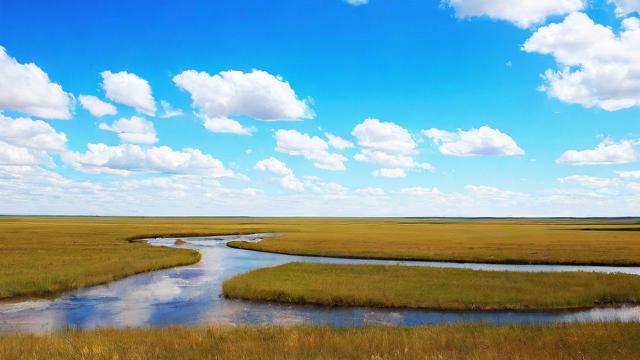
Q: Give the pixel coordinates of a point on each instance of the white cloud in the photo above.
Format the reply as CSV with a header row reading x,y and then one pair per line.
x,y
633,174
256,94
588,181
389,173
32,134
490,192
386,145
287,178
97,107
625,7
129,89
421,191
329,190
357,2
337,142
606,153
126,159
227,126
26,88
313,148
484,141
522,13
16,155
371,191
133,131
168,111
596,66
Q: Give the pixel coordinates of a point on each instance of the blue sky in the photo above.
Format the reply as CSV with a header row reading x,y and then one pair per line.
x,y
451,108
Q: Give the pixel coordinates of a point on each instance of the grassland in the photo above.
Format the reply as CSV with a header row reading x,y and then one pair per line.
x,y
577,341
45,255
491,241
431,288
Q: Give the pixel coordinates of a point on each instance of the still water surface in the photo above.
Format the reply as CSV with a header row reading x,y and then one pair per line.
x,y
190,295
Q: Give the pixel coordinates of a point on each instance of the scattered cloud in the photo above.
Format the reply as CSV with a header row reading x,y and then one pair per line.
x,y
126,159
313,148
597,67
276,167
31,134
356,2
27,89
135,130
588,181
388,146
632,174
337,142
129,89
490,192
168,111
371,191
626,7
256,94
606,153
226,126
522,13
389,173
97,107
484,141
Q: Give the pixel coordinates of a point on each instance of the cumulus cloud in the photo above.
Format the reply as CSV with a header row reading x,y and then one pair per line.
x,y
256,94
597,68
389,173
328,190
135,130
288,180
484,141
606,153
97,107
388,146
126,159
168,111
313,148
522,13
31,134
587,181
26,88
625,7
337,142
129,89
24,141
226,126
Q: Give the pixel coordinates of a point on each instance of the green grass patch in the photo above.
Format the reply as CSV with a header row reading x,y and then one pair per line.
x,y
432,288
575,341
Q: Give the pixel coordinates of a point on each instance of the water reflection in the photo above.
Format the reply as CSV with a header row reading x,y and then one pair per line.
x,y
191,295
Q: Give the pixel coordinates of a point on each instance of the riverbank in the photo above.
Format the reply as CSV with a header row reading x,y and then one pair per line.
x,y
432,288
584,341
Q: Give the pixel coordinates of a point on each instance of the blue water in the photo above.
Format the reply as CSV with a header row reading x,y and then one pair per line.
x,y
190,295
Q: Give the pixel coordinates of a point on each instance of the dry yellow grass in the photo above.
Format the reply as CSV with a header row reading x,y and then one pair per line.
x,y
45,255
431,288
533,241
577,341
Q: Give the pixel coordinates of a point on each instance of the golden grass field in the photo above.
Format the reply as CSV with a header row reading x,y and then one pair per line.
x,y
431,288
45,255
577,341
493,241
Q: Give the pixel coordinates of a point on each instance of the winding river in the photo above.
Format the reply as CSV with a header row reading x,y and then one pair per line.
x,y
190,295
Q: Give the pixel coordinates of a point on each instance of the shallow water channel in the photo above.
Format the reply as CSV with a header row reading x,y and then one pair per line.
x,y
190,295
